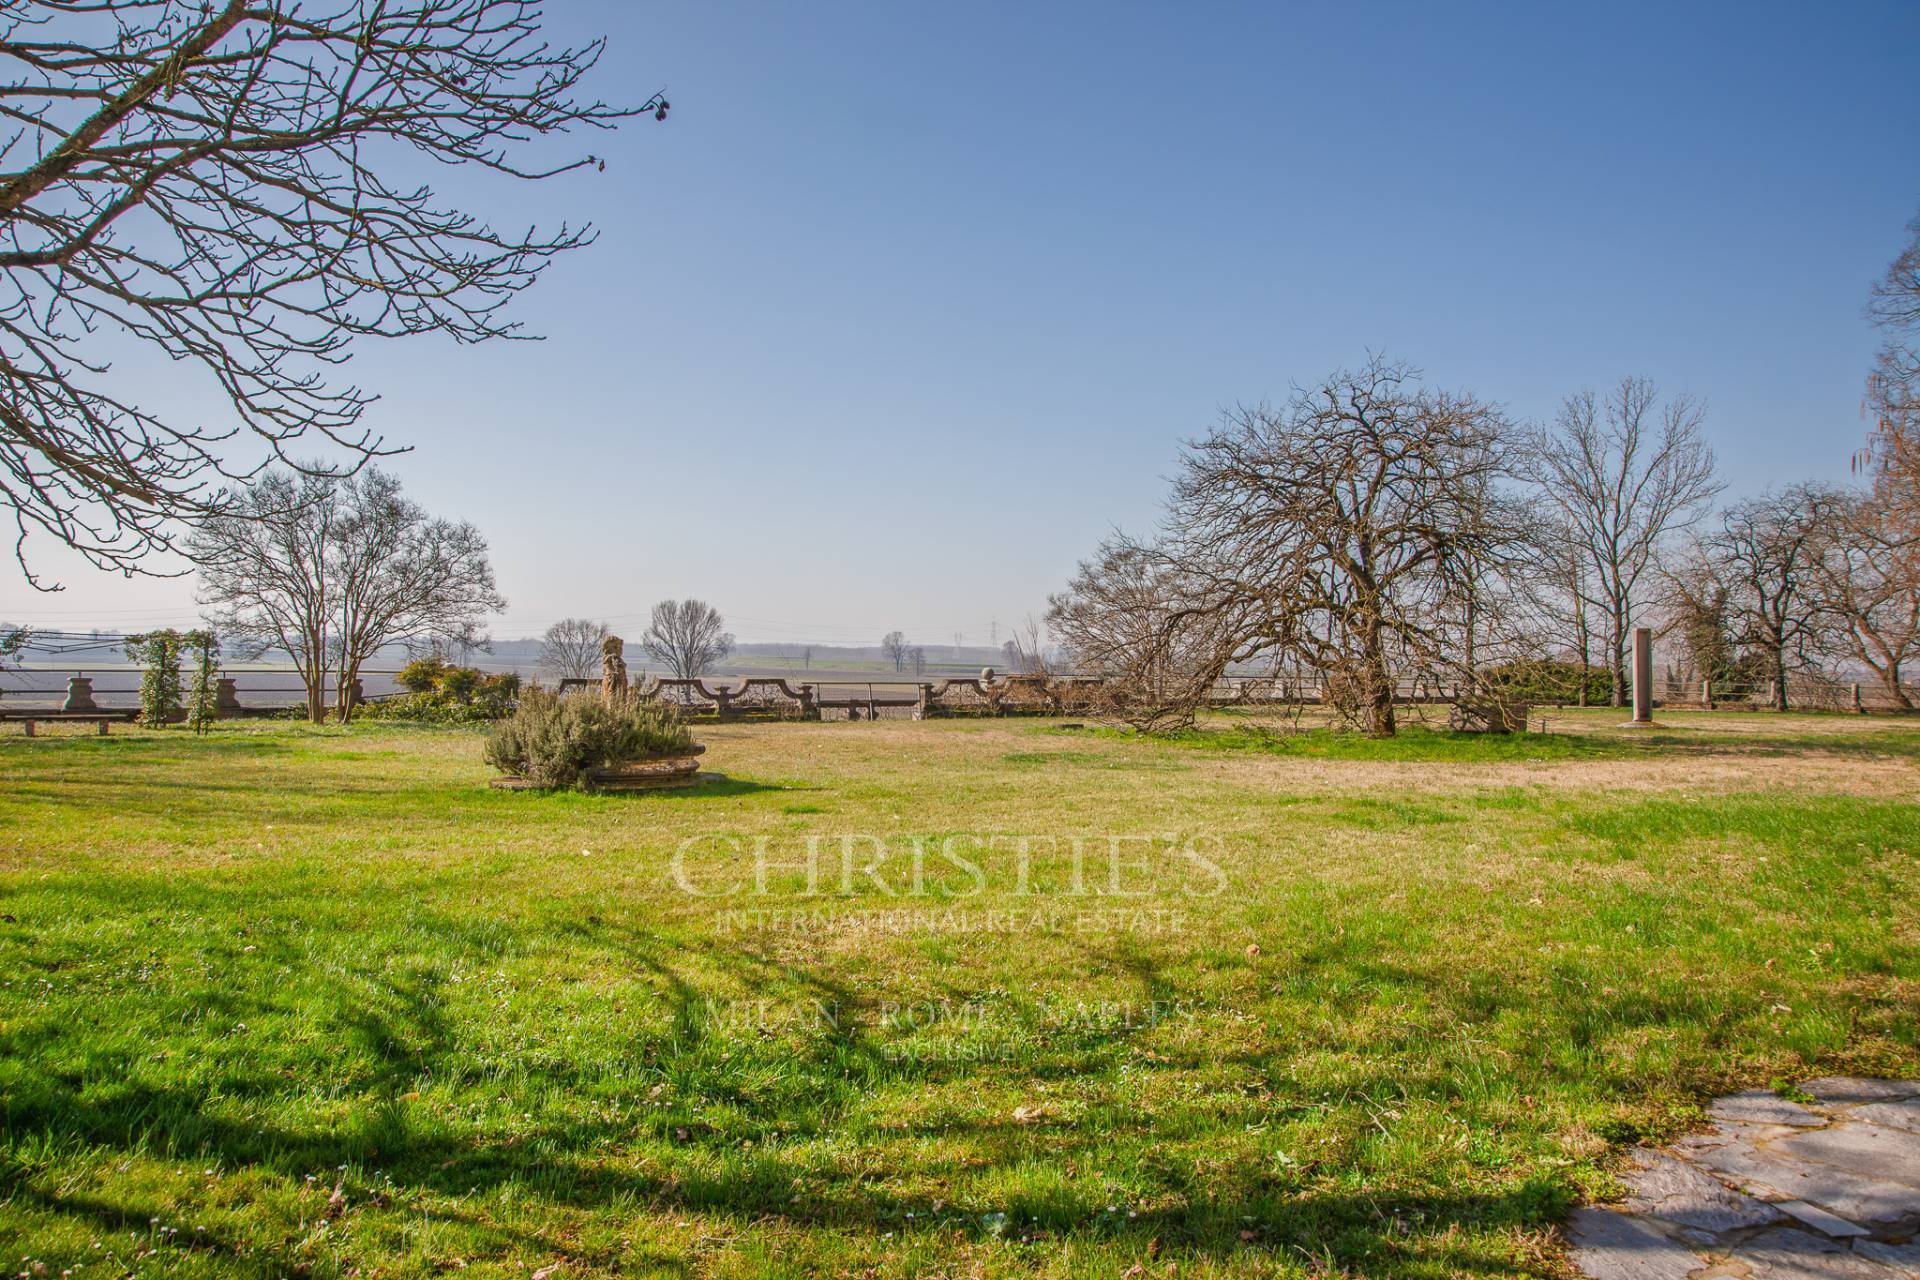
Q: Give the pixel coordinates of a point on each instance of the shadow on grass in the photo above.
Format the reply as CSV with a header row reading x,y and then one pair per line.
x,y
723,1141
1420,744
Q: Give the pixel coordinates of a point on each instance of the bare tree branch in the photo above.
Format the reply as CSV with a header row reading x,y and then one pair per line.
x,y
688,636
238,185
1625,473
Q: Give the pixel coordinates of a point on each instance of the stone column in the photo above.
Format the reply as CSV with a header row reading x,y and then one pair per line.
x,y
1643,675
226,697
79,695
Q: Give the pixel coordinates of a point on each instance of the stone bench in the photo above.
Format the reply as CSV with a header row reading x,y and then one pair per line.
x,y
102,719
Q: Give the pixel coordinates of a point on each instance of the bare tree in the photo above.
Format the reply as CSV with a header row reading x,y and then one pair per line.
x,y
1561,580
1625,473
917,659
455,645
332,568
238,184
1693,598
570,648
1893,390
1344,530
1026,649
266,573
1124,617
893,647
688,636
1768,551
402,576
1868,584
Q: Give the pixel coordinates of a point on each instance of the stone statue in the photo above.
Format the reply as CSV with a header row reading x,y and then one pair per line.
x,y
613,668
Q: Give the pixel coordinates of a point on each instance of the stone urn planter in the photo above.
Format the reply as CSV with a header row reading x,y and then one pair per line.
x,y
680,768
650,773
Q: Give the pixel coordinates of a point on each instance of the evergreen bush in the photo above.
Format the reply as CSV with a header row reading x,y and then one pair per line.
x,y
551,741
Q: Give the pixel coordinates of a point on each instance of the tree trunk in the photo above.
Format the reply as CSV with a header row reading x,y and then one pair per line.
x,y
1780,679
1619,645
1376,693
1586,645
1890,677
343,696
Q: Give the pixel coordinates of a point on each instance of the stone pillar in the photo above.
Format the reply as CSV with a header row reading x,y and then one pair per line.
x,y
1642,675
356,694
809,707
1706,694
722,700
79,695
226,697
924,710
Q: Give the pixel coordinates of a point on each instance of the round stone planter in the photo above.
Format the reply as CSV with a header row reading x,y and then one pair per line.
x,y
646,773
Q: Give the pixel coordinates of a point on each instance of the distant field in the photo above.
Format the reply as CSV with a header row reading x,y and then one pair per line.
x,y
307,1002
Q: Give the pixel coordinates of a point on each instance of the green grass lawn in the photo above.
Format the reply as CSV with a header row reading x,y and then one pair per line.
x,y
293,1002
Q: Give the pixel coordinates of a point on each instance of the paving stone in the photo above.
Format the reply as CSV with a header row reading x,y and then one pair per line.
x,y
1761,1106
1670,1188
1857,1196
1777,1191
1847,1090
1615,1246
1787,1254
1904,1114
1890,1155
1896,1256
1820,1220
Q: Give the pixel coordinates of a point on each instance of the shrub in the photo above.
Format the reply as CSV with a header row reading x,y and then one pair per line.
x,y
442,694
460,683
550,740
202,693
1544,680
422,675
158,652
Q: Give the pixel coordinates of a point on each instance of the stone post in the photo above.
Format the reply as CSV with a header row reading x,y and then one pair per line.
x,y
79,695
1643,675
809,706
226,698
356,693
1706,694
722,700
924,710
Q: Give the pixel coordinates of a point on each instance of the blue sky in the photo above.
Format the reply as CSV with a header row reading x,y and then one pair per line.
x,y
906,305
